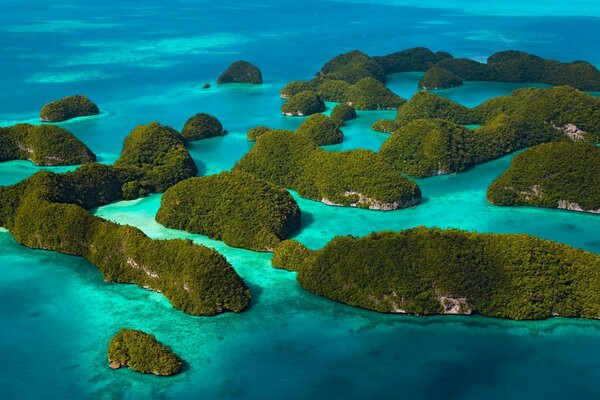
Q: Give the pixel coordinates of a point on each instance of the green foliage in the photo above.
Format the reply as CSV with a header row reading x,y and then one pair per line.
x,y
342,113
289,255
67,108
241,72
158,155
370,94
295,87
385,126
256,132
428,147
352,67
322,129
43,145
415,59
552,175
439,78
48,211
333,90
466,69
202,126
354,178
235,207
303,103
141,352
431,271
428,105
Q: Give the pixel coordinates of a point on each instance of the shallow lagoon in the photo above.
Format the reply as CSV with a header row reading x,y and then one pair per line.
x,y
58,314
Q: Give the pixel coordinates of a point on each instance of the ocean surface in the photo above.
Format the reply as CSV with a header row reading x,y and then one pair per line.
x,y
147,60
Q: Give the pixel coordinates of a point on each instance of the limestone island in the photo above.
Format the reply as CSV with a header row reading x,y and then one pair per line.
x,y
141,352
235,207
342,113
202,126
51,212
322,129
356,178
427,271
241,72
302,104
553,175
254,133
439,78
429,136
67,108
43,145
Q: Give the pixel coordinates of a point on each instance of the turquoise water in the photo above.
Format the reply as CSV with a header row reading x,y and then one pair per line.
x,y
147,61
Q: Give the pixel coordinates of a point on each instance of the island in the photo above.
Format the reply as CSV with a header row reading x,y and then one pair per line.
x,y
439,78
43,145
141,352
427,271
254,133
430,137
370,94
67,108
342,113
50,211
553,175
241,72
356,178
202,126
235,207
322,129
302,104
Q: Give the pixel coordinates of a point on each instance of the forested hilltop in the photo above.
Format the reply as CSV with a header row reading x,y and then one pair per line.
x,y
552,175
427,271
50,211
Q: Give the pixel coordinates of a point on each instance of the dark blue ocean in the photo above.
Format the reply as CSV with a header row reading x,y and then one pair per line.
x,y
147,60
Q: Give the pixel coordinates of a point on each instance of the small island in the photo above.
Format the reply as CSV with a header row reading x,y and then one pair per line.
x,y
322,129
370,94
342,113
356,178
202,126
241,72
439,78
302,104
141,352
553,175
235,207
67,108
254,133
43,145
427,271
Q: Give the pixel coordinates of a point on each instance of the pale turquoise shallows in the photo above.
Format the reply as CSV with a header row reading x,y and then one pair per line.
x,y
147,61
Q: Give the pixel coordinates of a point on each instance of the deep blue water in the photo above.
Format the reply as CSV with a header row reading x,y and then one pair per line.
x,y
146,60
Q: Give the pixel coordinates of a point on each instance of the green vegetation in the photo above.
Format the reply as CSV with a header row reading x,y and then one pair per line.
x,y
358,178
141,352
295,87
289,255
370,94
428,105
158,155
241,72
552,175
385,126
49,211
235,207
439,78
43,145
322,129
342,113
202,126
415,59
432,271
303,103
67,108
331,90
517,66
352,67
256,132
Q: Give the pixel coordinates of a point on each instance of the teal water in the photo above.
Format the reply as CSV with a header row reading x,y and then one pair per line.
x,y
147,61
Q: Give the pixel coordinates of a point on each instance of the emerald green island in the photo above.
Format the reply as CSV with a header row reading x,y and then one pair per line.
x,y
141,352
67,108
241,72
